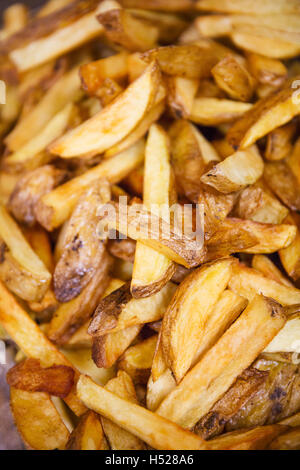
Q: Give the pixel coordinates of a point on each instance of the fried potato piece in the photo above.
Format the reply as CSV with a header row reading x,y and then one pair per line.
x,y
293,160
94,73
56,207
266,46
287,339
82,359
15,18
235,172
152,270
107,349
235,351
28,375
263,264
291,420
190,153
214,111
184,322
182,92
19,259
247,6
88,434
37,420
248,282
119,438
290,256
120,310
287,441
137,360
169,26
32,341
139,224
30,188
64,91
266,115
244,388
113,122
257,203
74,313
51,6
8,182
266,70
283,183
232,77
126,30
61,39
156,431
122,249
157,390
165,5
216,206
83,251
213,26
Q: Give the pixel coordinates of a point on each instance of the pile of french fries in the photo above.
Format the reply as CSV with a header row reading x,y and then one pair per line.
x,y
128,338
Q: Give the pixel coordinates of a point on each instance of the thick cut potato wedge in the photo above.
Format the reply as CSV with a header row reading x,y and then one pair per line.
x,y
257,438
137,223
290,256
57,206
156,431
263,264
83,252
114,122
184,322
288,441
119,438
265,7
18,259
287,339
182,92
266,46
235,172
31,340
66,89
283,182
222,364
279,143
215,111
30,188
88,434
152,270
266,115
232,77
37,420
120,310
248,282
137,360
157,390
216,206
266,70
82,359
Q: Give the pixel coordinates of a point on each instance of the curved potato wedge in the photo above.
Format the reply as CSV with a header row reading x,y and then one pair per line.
x,y
232,77
283,182
269,47
214,111
88,434
263,264
114,122
137,360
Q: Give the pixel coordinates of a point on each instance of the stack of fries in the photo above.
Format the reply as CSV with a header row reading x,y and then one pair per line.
x,y
184,335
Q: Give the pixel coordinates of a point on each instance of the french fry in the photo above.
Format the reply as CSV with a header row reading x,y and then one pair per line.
x,y
281,179
88,434
63,91
31,278
120,310
290,256
82,359
37,420
8,182
61,40
213,26
263,264
109,126
119,438
126,30
137,360
266,70
286,339
235,351
188,312
15,18
157,390
232,77
292,421
152,270
57,206
51,6
290,440
40,242
156,431
293,160
248,282
30,188
279,143
216,206
266,46
122,249
165,5
235,172
214,111
256,123
182,92
245,6
30,339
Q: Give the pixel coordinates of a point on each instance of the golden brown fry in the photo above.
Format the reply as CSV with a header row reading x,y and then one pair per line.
x,y
122,249
214,111
235,172
184,322
287,339
266,70
257,438
30,188
216,206
8,182
279,142
88,434
235,351
281,179
263,264
137,360
114,122
290,256
266,46
56,207
234,78
119,438
37,420
266,115
287,441
120,310
182,92
247,6
165,5
82,359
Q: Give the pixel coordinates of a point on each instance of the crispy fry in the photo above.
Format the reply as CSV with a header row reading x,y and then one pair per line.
x,y
263,264
266,70
165,5
290,256
137,360
287,441
88,434
214,111
122,249
182,92
235,351
286,339
283,183
82,359
232,77
247,6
